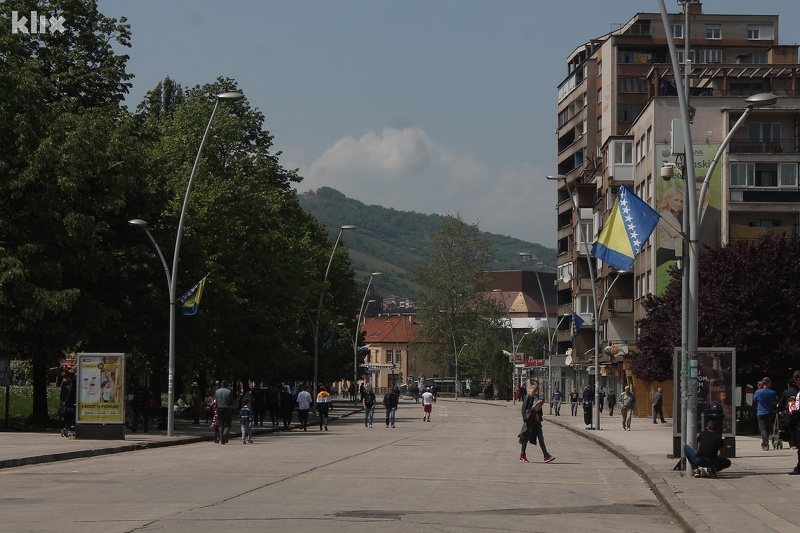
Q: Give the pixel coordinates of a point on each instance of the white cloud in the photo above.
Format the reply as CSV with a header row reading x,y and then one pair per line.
x,y
406,170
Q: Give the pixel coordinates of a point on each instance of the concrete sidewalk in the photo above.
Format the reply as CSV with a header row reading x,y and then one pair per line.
x,y
756,493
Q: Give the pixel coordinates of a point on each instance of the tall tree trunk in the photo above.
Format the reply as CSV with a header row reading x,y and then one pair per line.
x,y
40,415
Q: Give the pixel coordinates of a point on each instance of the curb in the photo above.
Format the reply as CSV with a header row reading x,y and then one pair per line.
x,y
687,519
79,454
122,448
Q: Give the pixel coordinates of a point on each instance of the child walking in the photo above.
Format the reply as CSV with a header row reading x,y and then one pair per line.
x,y
246,419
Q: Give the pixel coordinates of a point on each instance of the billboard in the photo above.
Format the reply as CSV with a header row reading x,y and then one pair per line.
x,y
669,204
101,388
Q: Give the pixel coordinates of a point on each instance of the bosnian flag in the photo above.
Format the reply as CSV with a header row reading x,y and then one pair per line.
x,y
626,231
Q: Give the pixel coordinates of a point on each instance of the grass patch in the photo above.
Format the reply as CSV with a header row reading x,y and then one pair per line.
x,y
20,406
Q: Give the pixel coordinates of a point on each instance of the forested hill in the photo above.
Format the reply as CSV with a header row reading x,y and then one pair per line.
x,y
390,241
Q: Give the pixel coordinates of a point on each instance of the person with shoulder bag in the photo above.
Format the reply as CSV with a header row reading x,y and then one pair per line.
x,y
532,424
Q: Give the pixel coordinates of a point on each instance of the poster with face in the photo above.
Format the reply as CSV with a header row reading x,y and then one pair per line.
x,y
100,379
669,202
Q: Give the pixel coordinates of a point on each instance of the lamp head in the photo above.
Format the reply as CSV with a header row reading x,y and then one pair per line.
x,y
138,223
231,96
761,100
348,226
377,273
556,177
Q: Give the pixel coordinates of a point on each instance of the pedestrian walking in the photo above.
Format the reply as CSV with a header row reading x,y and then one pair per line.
x,y
274,403
390,400
601,398
215,420
612,402
556,401
627,402
369,406
658,406
67,406
225,406
303,406
573,401
324,405
587,407
246,420
427,404
766,398
287,406
532,424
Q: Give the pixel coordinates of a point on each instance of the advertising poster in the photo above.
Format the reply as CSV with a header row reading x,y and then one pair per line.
x,y
715,383
101,388
669,204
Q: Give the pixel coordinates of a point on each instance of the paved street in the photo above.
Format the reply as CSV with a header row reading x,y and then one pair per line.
x,y
458,473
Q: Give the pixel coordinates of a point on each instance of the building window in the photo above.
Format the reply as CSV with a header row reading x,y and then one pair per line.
x,y
599,68
711,55
766,178
713,31
600,123
599,95
677,31
682,56
628,112
758,32
763,223
587,233
742,174
622,152
787,174
764,131
631,85
759,58
584,304
398,357
389,356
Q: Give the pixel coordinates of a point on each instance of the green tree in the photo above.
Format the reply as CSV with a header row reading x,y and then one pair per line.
x,y
65,177
455,308
244,223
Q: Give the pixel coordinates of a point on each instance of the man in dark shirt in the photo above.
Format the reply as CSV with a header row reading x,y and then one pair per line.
x,y
708,458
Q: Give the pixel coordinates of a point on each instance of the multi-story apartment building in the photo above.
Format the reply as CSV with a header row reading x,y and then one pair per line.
x,y
615,113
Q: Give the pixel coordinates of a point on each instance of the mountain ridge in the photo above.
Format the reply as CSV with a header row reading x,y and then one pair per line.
x,y
390,241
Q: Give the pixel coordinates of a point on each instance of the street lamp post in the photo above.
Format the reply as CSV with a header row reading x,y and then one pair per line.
x,y
359,318
514,344
595,310
689,318
532,257
315,325
458,383
173,277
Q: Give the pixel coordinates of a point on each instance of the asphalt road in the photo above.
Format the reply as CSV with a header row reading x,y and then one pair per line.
x,y
457,473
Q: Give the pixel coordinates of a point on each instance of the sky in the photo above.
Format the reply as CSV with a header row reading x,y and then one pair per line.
x,y
433,106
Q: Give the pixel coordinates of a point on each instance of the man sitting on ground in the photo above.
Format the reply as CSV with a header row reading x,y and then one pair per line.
x,y
708,459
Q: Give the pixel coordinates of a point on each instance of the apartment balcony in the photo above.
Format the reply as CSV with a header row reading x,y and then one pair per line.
x,y
765,196
777,146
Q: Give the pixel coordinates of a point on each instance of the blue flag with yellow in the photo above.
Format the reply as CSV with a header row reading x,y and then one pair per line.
x,y
575,326
627,229
190,301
